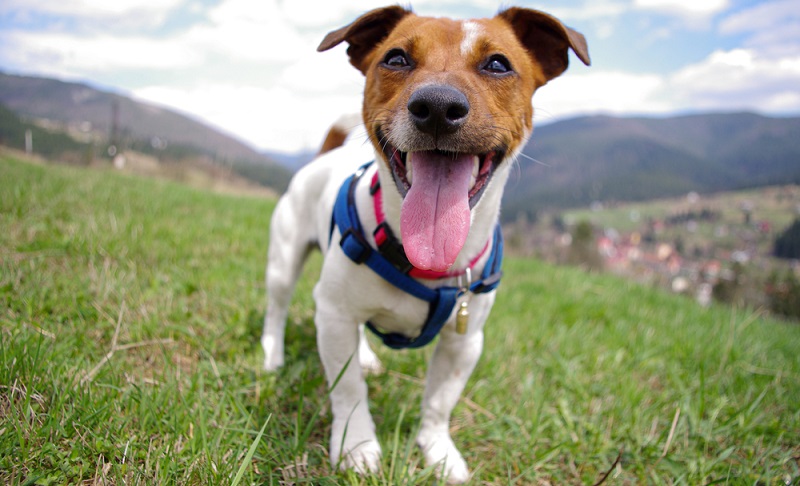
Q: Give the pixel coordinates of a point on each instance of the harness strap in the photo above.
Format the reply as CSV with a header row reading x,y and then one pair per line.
x,y
441,300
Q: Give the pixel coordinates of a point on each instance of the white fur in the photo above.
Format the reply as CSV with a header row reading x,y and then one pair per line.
x,y
471,32
348,294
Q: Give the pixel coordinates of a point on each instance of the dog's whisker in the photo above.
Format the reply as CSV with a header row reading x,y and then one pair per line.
x,y
537,161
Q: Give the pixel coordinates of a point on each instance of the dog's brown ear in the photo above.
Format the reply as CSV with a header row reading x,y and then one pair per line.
x,y
365,33
547,39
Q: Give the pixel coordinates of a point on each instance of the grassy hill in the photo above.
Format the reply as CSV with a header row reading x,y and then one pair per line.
x,y
74,103
76,108
48,144
130,312
607,159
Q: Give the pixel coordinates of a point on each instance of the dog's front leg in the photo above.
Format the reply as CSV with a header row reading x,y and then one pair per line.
x,y
353,440
451,366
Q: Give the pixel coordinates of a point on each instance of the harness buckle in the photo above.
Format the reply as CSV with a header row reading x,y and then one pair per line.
x,y
355,246
487,284
389,247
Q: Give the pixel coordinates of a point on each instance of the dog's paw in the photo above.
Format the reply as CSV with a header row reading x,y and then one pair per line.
x,y
370,364
355,446
273,364
365,458
439,451
273,353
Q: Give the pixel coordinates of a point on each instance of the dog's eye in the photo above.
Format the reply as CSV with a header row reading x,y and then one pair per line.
x,y
397,59
497,64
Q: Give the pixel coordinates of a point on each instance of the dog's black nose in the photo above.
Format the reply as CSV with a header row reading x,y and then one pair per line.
x,y
438,110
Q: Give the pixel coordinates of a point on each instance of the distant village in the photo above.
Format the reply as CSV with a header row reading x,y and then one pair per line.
x,y
708,248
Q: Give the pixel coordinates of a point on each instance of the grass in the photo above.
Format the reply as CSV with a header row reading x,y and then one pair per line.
x,y
130,312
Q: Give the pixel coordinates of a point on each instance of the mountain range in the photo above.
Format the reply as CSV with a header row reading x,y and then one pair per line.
x,y
600,158
87,112
568,163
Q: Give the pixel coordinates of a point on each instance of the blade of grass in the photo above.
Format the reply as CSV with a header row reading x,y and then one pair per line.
x,y
249,456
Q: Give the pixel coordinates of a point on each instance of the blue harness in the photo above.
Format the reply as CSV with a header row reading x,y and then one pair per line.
x,y
441,300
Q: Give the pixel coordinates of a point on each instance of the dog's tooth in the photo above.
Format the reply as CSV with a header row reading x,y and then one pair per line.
x,y
476,170
409,169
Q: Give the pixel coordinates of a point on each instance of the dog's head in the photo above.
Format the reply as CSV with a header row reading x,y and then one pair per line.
x,y
446,103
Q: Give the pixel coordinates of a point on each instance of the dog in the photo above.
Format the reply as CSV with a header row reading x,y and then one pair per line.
x,y
411,243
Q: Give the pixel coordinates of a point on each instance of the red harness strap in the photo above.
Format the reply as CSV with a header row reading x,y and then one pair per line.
x,y
392,250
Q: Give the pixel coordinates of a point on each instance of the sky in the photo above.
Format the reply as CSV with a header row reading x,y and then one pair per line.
x,y
250,67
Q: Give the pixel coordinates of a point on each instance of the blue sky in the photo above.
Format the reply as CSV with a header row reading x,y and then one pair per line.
x,y
250,66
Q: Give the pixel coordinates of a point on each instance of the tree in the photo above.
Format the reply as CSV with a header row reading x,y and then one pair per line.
x,y
583,250
787,244
783,294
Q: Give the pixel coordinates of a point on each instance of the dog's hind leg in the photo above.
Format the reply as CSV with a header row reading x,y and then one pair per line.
x,y
370,364
288,248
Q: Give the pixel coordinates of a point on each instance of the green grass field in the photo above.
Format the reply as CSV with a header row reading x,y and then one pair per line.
x,y
130,318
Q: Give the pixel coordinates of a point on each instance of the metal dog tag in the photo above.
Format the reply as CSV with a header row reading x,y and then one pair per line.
x,y
462,318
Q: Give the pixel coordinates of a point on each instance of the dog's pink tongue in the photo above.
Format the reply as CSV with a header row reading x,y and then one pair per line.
x,y
434,219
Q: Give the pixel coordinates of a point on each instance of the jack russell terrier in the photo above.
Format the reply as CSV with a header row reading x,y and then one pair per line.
x,y
408,223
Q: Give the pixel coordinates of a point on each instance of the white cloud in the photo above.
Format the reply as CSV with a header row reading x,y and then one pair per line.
x,y
599,18
686,8
740,79
601,9
249,40
77,56
772,28
90,8
761,17
600,92
330,14
269,30
339,75
253,35
100,13
275,117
